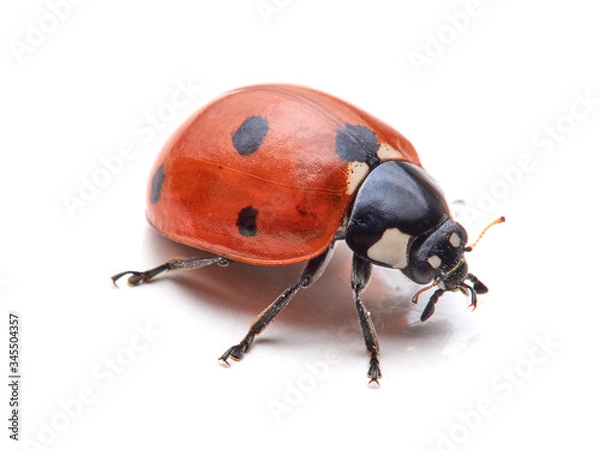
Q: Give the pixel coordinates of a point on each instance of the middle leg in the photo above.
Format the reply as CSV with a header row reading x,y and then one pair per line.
x,y
313,270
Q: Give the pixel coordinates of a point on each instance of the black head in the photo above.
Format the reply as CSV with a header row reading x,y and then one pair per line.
x,y
438,256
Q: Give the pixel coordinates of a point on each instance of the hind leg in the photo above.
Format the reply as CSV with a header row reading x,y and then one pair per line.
x,y
173,264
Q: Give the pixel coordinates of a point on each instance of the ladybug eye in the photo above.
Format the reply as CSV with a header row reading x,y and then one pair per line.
x,y
423,273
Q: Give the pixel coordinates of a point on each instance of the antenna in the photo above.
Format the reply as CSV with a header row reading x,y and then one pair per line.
x,y
495,222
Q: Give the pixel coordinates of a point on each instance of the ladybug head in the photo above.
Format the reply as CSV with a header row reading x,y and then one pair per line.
x,y
439,258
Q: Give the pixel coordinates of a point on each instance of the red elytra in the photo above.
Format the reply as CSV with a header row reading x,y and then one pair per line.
x,y
264,158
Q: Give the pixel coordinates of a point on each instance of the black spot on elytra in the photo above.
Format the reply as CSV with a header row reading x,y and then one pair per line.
x,y
357,143
249,136
247,221
157,183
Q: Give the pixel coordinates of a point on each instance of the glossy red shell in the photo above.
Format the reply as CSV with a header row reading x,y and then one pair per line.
x,y
294,187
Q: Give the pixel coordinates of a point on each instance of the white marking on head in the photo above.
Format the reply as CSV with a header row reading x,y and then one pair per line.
x,y
387,152
455,240
434,261
357,171
391,249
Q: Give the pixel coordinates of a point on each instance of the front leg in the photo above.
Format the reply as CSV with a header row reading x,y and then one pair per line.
x,y
361,274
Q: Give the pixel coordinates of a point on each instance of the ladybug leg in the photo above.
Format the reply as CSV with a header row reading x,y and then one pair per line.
x,y
313,270
361,274
173,264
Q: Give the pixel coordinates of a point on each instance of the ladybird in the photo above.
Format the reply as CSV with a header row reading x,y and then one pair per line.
x,y
276,174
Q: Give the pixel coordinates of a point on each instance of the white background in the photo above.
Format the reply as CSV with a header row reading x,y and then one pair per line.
x,y
500,98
